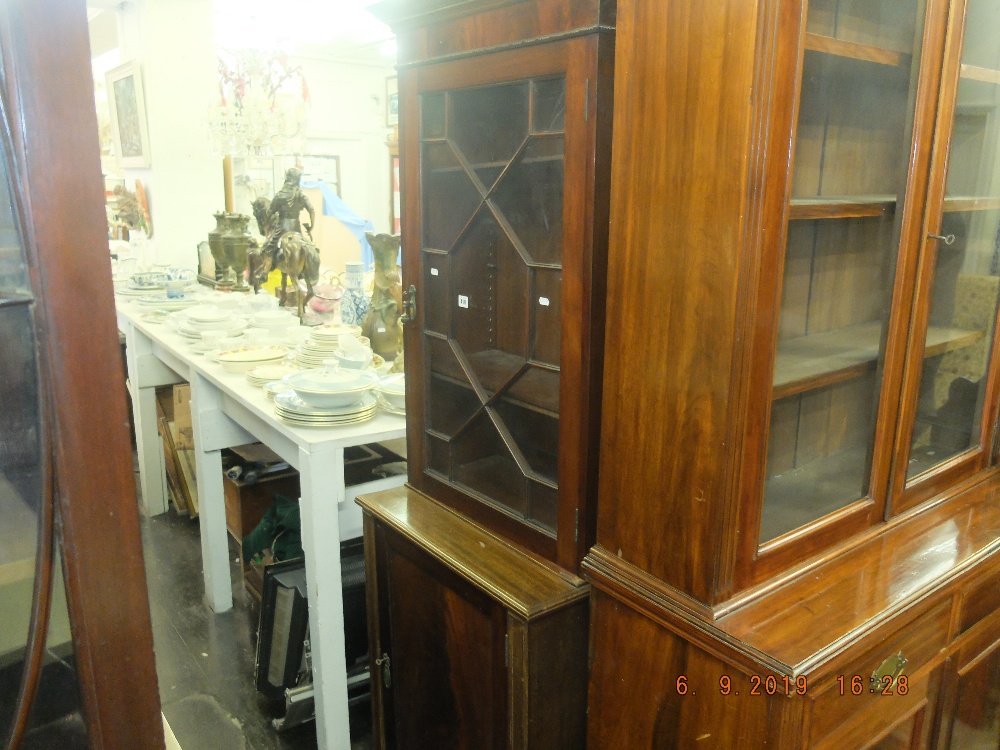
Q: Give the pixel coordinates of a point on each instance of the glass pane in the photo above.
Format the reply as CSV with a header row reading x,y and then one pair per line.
x,y
529,199
57,703
450,196
485,464
435,293
451,399
432,116
967,271
901,736
492,271
535,433
547,309
542,504
548,106
489,297
13,270
977,711
488,125
850,161
20,496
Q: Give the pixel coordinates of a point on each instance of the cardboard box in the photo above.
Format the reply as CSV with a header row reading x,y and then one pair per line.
x,y
182,416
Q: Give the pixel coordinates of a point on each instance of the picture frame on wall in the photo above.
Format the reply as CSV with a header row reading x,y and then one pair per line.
x,y
391,102
128,115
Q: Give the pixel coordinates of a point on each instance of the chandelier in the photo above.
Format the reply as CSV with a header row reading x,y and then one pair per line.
x,y
263,105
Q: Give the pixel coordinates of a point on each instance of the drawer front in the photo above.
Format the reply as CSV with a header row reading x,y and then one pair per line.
x,y
837,704
980,599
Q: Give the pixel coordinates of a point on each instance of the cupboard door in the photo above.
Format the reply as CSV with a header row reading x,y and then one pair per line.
x,y
972,719
500,251
851,158
29,642
445,647
950,427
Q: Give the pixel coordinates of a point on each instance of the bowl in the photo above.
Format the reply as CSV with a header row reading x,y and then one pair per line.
x,y
393,390
353,359
331,385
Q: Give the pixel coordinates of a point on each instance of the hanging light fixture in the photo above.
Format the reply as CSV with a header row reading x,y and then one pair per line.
x,y
263,105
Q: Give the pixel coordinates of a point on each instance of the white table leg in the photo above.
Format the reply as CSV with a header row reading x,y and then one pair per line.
x,y
211,498
149,449
321,477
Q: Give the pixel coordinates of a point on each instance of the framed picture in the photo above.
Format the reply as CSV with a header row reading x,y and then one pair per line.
x,y
391,102
128,115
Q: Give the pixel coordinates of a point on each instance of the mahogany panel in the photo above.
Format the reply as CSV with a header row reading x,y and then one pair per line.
x,y
462,28
670,694
679,193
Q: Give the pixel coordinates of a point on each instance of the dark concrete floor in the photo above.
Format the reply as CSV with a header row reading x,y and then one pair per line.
x,y
204,661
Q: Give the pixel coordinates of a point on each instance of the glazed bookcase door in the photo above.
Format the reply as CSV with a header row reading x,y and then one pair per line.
x,y
26,506
846,210
501,256
948,429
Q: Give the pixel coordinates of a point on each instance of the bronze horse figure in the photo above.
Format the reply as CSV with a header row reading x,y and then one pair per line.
x,y
289,252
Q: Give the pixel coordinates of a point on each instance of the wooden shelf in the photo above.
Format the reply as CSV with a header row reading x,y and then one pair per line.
x,y
499,164
841,206
494,368
861,206
854,51
805,494
805,363
970,203
975,73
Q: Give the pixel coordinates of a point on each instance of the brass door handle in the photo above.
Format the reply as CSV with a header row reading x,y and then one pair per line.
x,y
386,670
409,311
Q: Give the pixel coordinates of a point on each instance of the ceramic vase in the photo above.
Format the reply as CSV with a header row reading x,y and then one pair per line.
x,y
354,303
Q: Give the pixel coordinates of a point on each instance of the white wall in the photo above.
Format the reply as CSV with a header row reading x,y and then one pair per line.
x,y
173,40
348,118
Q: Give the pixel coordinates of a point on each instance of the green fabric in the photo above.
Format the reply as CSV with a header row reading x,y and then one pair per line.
x,y
280,530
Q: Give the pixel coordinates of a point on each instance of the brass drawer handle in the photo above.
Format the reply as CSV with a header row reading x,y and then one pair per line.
x,y
891,668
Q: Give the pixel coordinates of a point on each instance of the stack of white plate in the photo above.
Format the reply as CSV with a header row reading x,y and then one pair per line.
x,y
273,320
125,289
248,357
322,343
275,387
162,302
328,396
292,409
331,332
194,320
259,375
